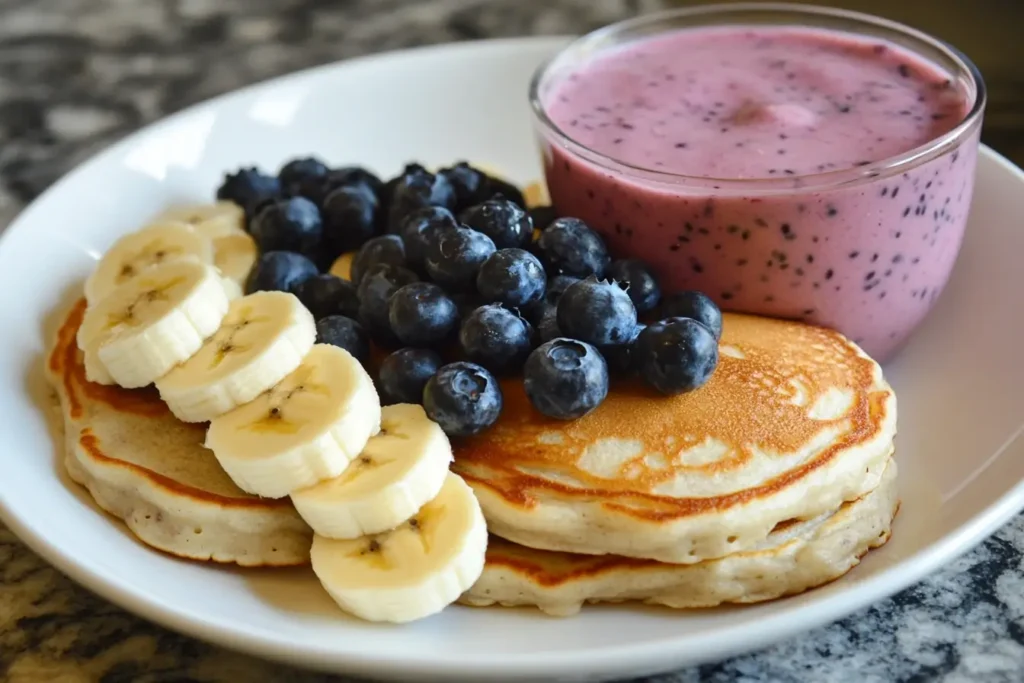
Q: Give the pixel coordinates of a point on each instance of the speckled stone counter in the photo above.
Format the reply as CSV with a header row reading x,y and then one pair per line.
x,y
76,75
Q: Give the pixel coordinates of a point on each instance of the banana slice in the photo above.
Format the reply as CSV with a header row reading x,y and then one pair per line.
x,y
342,266
218,219
234,255
263,338
413,571
151,323
306,429
138,251
400,470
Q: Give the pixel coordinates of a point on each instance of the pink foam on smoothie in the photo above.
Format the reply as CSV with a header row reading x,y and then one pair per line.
x,y
866,258
735,103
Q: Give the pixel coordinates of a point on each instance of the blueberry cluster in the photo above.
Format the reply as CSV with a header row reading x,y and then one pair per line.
x,y
451,266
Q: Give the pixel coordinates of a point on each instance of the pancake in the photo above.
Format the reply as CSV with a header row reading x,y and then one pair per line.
x,y
145,467
795,421
795,557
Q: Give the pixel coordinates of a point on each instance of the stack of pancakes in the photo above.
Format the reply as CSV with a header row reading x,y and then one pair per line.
x,y
775,477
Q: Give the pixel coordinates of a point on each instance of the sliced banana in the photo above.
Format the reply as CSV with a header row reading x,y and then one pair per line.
x,y
234,255
342,266
400,470
137,251
263,338
413,571
306,429
151,323
218,219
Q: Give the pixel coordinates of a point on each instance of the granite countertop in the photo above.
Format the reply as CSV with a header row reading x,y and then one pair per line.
x,y
76,75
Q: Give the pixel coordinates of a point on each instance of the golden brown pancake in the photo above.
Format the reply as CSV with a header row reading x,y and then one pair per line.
x,y
795,420
145,467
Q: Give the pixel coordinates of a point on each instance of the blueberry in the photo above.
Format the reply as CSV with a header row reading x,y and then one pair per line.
x,y
505,223
569,247
620,356
387,249
640,282
326,295
346,333
496,338
421,314
547,327
404,374
416,190
302,177
676,355
375,291
695,305
249,188
496,187
513,277
542,216
463,398
279,271
565,378
597,312
349,216
454,256
387,190
417,228
288,225
351,176
468,183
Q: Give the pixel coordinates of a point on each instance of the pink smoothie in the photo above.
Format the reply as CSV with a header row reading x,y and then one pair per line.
x,y
867,258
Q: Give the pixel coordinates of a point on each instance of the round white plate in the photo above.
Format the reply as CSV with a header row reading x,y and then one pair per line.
x,y
959,384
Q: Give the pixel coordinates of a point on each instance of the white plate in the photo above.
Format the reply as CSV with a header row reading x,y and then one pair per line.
x,y
959,384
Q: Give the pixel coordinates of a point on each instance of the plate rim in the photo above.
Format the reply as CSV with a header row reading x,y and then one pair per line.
x,y
654,655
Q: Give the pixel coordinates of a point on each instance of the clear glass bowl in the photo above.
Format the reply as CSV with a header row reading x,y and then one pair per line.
x,y
868,266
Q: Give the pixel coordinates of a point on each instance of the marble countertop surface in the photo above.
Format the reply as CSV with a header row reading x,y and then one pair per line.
x,y
75,75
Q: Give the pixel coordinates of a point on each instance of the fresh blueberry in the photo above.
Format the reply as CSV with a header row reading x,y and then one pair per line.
x,y
288,225
463,398
346,333
416,190
542,216
249,188
620,356
513,277
350,218
554,290
565,378
387,249
569,247
351,176
597,312
326,295
496,187
302,177
676,355
279,271
505,223
417,228
454,256
375,291
468,183
421,314
387,190
496,338
547,327
404,374
695,305
640,282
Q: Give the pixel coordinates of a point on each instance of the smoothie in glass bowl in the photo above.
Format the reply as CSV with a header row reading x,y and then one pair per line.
x,y
789,161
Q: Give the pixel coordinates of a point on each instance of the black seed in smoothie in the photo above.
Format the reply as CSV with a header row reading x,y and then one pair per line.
x,y
726,296
674,247
808,311
733,229
831,211
741,262
815,239
854,254
770,263
888,272
684,239
895,191
885,191
780,152
680,145
590,194
745,235
810,258
870,275
881,295
800,208
617,141
783,136
695,264
764,278
709,210
799,271
787,231
772,171
703,231
898,258
828,274
916,260
768,299
718,247
898,234
760,222
688,226
874,257
783,266
906,212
